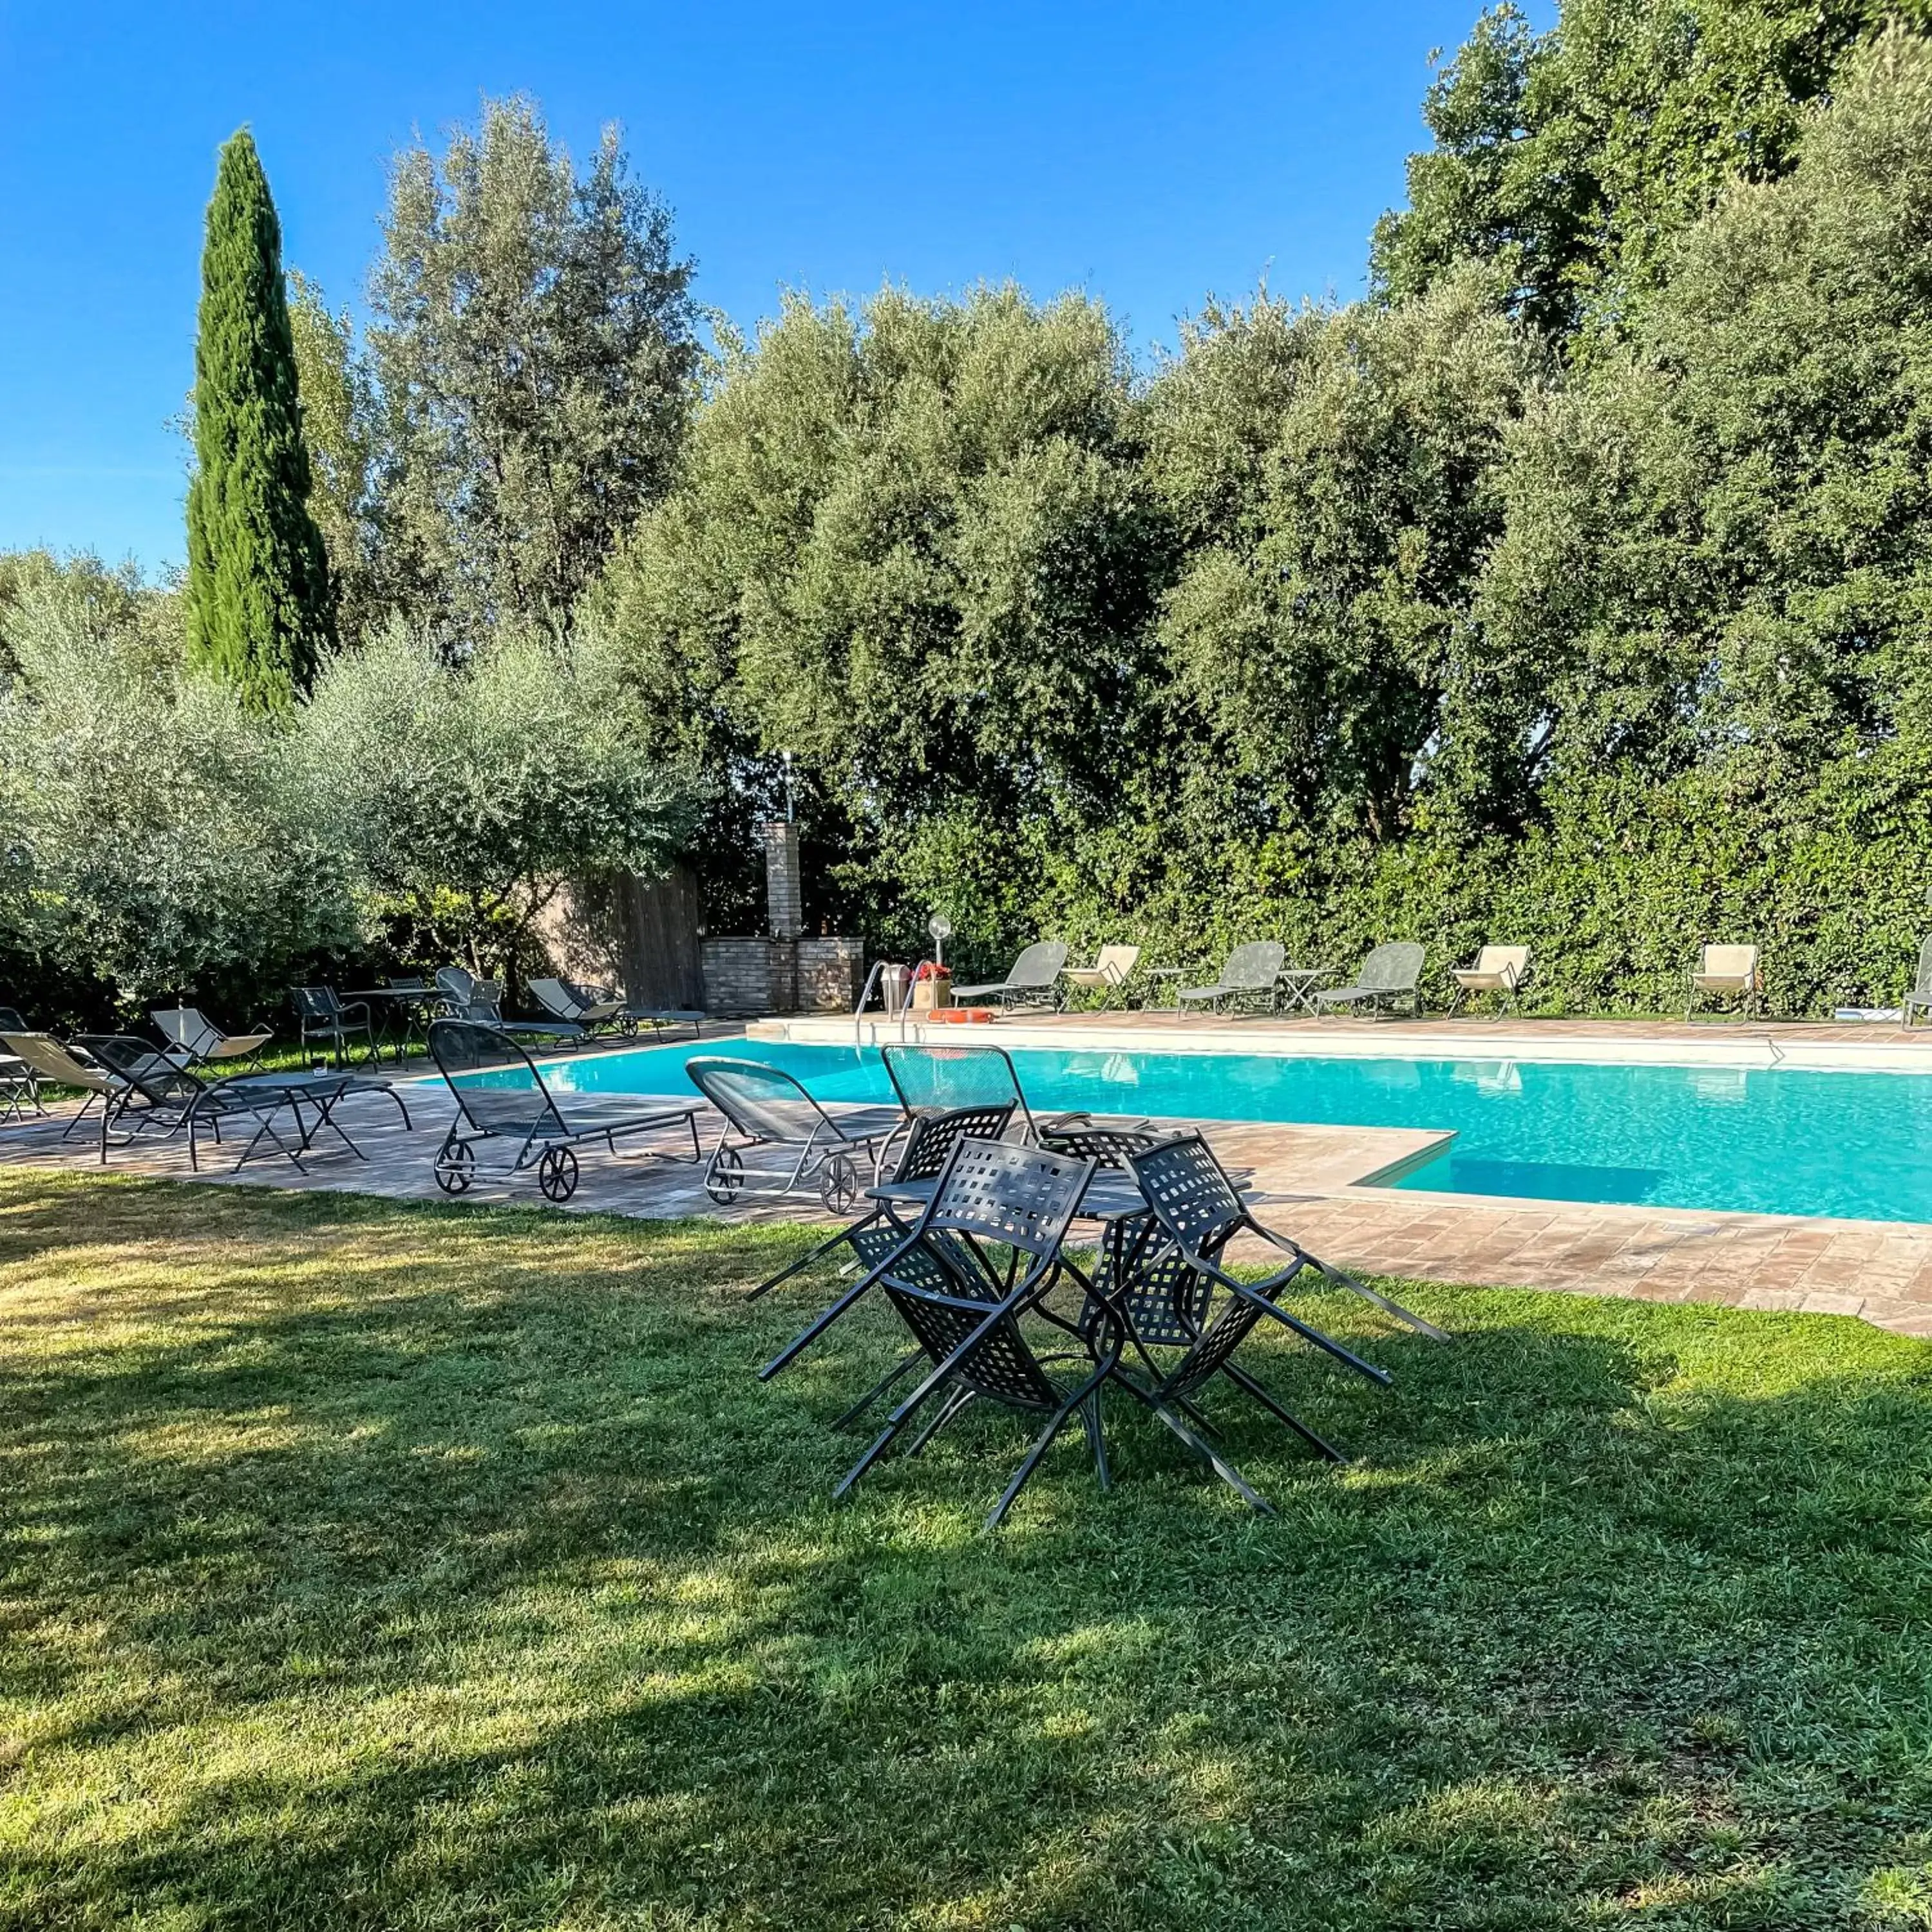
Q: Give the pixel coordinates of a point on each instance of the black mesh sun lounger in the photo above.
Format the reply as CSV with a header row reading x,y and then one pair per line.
x,y
500,1096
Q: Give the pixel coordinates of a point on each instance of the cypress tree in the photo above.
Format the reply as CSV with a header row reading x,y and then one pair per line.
x,y
258,605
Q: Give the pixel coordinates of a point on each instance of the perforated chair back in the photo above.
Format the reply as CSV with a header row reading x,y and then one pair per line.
x,y
1255,967
1163,1298
1022,1197
140,1065
495,1084
942,1079
764,1103
456,983
1038,965
1393,968
1106,1147
931,1143
1191,1197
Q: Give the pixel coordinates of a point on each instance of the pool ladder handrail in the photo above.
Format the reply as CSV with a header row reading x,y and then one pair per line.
x,y
866,994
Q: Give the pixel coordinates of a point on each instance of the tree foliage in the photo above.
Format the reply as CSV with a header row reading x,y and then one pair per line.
x,y
1566,160
463,796
259,609
535,354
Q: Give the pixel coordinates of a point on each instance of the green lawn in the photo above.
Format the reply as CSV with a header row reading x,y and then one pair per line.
x,y
380,1566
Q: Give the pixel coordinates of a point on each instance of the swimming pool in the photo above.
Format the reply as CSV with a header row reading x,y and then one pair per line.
x,y
1775,1140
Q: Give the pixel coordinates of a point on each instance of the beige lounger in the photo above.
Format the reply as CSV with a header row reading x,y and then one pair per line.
x,y
1107,975
1498,969
1726,973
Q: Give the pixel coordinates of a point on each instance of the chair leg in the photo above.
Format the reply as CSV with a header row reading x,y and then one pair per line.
x,y
878,1388
1031,1460
1225,1470
948,1409
1393,1310
1243,1381
798,1267
1097,1440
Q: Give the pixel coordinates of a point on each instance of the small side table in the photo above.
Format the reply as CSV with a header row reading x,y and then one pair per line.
x,y
1298,983
1174,973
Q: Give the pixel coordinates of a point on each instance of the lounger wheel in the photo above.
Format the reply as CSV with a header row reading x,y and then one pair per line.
x,y
838,1183
456,1168
724,1176
556,1174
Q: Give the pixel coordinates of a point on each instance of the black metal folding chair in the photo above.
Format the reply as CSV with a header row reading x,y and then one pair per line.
x,y
1201,1211
500,1095
921,1160
321,1016
985,1252
767,1113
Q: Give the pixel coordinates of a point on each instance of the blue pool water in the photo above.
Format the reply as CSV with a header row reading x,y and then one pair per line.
x,y
1777,1141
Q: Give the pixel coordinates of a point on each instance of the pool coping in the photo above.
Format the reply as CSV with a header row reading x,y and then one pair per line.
x,y
1751,1046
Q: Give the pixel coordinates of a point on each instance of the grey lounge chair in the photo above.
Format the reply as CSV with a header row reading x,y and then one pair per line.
x,y
765,1109
1032,979
1919,999
501,1096
1251,973
576,1004
193,1040
1387,976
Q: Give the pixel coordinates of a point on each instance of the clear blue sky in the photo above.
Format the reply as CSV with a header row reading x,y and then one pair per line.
x,y
1150,154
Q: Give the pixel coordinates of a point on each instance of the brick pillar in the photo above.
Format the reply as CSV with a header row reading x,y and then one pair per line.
x,y
784,893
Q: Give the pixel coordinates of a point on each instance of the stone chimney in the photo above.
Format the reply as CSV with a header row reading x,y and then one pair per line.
x,y
784,896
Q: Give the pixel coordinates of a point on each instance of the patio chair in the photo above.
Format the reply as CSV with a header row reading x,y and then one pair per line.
x,y
765,1109
1251,973
1201,1211
193,1040
919,1163
464,996
938,1079
19,1085
1109,974
50,1062
564,1001
1726,972
1498,969
965,1309
1387,976
499,1095
321,1016
1032,980
1920,998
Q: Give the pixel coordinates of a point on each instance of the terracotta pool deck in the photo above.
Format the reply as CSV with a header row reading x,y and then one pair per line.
x,y
1311,1181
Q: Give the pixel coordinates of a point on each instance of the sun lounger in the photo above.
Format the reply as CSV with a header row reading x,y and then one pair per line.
x,y
766,1111
1920,998
193,1040
1107,975
500,1096
1388,976
1498,969
564,1001
1031,981
1726,973
1251,973
49,1061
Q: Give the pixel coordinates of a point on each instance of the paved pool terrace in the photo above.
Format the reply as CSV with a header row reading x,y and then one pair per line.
x,y
1314,1182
